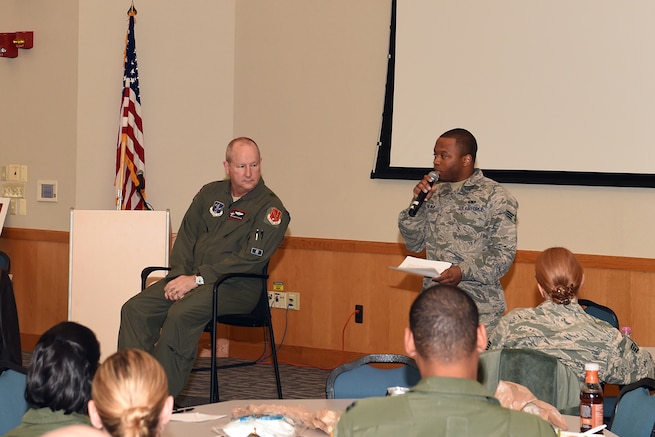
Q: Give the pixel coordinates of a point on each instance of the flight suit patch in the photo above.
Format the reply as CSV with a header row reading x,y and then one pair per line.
x,y
217,209
237,214
256,251
274,216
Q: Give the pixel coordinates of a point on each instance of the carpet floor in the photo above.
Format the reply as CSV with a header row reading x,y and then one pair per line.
x,y
254,382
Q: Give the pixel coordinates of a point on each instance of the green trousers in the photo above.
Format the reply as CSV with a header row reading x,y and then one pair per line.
x,y
170,330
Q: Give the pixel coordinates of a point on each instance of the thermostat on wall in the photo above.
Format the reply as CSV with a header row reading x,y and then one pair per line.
x,y
46,191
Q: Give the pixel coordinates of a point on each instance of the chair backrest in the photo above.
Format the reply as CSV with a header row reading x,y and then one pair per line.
x,y
12,401
600,311
358,379
5,261
634,414
10,346
544,375
260,314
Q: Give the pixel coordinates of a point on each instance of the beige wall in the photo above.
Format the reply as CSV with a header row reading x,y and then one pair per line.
x,y
72,80
305,79
38,94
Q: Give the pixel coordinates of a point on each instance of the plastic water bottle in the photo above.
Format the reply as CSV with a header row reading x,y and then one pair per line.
x,y
591,400
626,331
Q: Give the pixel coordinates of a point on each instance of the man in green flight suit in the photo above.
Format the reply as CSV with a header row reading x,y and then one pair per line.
x,y
232,226
445,339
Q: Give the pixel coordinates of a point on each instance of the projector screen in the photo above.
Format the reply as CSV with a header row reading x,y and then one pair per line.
x,y
555,91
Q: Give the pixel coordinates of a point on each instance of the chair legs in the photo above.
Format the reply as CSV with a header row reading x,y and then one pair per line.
x,y
275,363
213,377
213,367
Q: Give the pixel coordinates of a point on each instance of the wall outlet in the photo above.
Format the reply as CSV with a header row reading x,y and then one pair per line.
x,y
293,301
359,315
277,299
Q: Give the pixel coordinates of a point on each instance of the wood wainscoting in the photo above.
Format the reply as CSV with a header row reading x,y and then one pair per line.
x,y
332,276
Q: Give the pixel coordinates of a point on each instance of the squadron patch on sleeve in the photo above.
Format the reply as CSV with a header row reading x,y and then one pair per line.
x,y
216,210
274,216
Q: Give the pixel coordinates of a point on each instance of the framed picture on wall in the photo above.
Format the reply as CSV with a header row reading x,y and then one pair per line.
x,y
4,207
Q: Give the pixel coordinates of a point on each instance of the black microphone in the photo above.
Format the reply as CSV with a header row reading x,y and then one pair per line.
x,y
416,204
141,179
139,188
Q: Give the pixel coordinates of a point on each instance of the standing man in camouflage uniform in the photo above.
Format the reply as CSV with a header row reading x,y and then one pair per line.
x,y
560,327
468,220
445,339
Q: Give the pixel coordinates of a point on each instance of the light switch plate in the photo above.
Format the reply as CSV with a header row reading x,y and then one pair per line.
x,y
13,172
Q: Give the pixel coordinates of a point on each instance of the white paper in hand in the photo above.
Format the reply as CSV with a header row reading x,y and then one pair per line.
x,y
423,267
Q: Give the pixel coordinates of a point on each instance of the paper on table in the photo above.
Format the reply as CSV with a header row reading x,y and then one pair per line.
x,y
423,267
195,417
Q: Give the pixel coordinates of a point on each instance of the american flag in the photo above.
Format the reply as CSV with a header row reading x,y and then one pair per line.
x,y
130,155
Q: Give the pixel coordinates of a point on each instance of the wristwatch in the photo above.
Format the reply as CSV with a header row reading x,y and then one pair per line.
x,y
199,280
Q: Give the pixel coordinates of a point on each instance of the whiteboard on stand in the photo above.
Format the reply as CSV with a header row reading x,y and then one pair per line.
x,y
108,250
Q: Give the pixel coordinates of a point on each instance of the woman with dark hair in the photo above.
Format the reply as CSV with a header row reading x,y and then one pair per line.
x,y
560,327
59,379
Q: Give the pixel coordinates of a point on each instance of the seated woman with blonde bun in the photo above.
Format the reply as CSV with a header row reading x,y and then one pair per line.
x,y
130,396
560,327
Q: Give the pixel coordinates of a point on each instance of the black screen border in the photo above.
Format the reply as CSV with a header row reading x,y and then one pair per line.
x,y
384,170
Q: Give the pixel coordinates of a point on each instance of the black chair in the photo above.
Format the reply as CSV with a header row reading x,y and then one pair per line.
x,y
5,261
358,379
260,316
600,311
634,412
10,344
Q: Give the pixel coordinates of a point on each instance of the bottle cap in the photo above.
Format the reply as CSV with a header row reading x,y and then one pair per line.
x,y
592,366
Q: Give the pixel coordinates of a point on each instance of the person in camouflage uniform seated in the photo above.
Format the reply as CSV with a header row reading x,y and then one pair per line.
x,y
560,327
445,339
468,220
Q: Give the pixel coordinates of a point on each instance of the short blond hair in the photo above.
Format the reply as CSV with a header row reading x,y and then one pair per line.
x,y
129,391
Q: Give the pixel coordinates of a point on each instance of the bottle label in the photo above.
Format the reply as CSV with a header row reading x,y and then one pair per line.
x,y
591,416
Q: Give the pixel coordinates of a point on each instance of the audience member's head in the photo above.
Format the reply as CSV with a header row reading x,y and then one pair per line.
x,y
62,367
444,336
559,275
130,395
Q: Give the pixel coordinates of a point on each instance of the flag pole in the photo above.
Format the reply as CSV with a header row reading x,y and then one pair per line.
x,y
124,122
121,172
130,155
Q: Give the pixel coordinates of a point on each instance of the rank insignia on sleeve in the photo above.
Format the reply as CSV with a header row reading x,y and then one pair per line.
x,y
216,210
256,251
274,216
510,215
